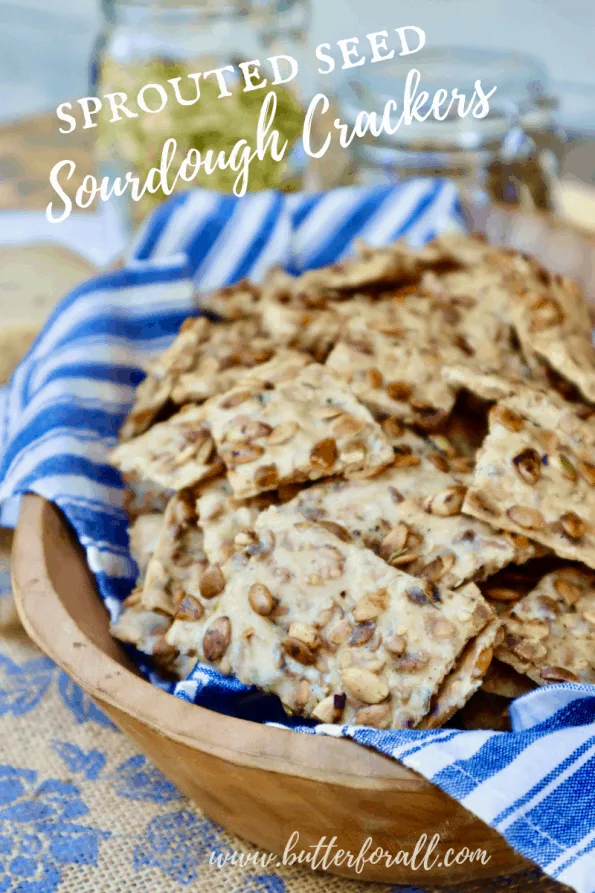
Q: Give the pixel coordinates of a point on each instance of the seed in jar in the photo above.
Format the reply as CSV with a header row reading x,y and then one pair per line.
x,y
283,433
216,639
447,502
261,599
324,453
572,525
528,465
300,652
365,685
212,582
529,519
507,417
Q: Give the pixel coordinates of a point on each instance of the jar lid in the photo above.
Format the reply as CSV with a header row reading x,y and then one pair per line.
x,y
520,79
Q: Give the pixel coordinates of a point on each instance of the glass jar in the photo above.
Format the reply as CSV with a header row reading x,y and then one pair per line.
x,y
512,155
157,41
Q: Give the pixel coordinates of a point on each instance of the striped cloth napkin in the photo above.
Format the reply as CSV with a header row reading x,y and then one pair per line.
x,y
68,398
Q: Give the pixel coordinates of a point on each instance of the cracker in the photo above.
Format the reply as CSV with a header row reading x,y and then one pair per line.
x,y
552,318
204,359
173,454
390,515
535,475
333,630
232,302
176,569
550,634
466,678
228,523
402,379
144,535
393,264
311,330
144,629
142,497
298,430
489,386
220,358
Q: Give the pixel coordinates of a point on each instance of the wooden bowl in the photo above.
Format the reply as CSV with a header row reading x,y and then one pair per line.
x,y
265,783
260,783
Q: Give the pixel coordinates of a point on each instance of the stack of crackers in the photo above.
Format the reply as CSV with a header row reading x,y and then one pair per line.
x,y
370,489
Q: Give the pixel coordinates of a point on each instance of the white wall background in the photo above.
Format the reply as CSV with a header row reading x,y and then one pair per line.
x,y
45,44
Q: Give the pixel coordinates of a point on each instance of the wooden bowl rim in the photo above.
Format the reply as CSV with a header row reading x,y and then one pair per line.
x,y
238,741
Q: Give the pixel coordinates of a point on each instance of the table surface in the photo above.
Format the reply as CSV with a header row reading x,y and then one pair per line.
x,y
117,823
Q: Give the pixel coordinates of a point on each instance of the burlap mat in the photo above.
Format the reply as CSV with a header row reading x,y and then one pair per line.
x,y
82,812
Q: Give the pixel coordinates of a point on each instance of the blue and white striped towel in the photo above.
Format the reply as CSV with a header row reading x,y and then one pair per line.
x,y
68,398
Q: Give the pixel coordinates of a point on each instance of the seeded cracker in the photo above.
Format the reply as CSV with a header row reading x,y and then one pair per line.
x,y
231,302
204,359
467,677
144,535
174,454
179,561
314,331
402,380
394,264
334,631
535,475
411,517
224,520
552,319
301,429
550,634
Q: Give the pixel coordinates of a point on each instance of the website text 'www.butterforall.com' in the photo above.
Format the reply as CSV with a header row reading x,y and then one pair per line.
x,y
326,853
